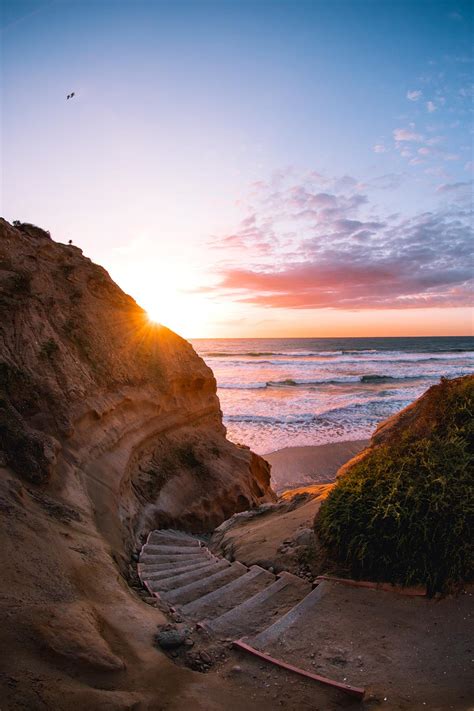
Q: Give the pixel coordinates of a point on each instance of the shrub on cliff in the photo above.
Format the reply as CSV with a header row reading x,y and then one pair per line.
x,y
404,512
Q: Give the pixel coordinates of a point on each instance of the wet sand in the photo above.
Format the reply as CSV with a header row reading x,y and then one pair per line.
x,y
300,466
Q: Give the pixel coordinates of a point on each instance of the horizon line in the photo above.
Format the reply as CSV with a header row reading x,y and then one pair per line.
x,y
321,338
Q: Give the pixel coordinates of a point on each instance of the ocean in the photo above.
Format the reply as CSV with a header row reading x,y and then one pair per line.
x,y
283,392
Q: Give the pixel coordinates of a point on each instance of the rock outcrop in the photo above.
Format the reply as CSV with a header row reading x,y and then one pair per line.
x,y
109,427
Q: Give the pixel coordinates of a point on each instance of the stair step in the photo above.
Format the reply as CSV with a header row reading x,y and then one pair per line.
x,y
202,587
258,611
170,541
166,571
276,631
219,601
158,537
162,558
178,581
153,549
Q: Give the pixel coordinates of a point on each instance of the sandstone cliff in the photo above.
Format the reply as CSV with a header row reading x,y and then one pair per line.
x,y
109,426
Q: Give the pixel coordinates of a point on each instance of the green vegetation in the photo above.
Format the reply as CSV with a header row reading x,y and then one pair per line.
x,y
404,513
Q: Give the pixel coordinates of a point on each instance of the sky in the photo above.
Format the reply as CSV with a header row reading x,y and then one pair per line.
x,y
251,168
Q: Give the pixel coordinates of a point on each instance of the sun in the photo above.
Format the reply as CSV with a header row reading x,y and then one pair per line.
x,y
154,316
181,313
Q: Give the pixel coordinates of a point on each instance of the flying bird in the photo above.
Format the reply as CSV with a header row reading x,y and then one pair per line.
x,y
69,96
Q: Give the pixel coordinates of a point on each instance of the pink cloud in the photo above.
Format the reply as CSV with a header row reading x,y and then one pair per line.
x,y
340,254
405,134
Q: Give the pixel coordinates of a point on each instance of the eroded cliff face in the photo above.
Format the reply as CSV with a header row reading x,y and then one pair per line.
x,y
109,426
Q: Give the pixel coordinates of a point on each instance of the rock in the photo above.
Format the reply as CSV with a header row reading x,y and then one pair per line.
x,y
304,537
170,638
118,422
206,658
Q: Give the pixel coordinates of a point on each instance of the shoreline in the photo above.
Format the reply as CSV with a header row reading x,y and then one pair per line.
x,y
300,466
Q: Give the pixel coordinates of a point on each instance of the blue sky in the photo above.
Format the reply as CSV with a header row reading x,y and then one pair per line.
x,y
191,118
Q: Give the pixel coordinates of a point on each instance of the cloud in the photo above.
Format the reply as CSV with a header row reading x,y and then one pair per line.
x,y
452,187
414,95
379,148
431,106
343,255
405,134
434,140
389,181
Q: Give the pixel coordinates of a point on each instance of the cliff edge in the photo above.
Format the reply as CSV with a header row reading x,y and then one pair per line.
x,y
109,427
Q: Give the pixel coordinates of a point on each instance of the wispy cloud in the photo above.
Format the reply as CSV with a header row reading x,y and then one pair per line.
x,y
454,187
414,95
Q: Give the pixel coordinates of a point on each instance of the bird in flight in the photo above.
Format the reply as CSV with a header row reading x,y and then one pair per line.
x,y
69,96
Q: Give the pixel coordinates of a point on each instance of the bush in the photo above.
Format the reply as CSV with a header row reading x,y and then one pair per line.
x,y
404,513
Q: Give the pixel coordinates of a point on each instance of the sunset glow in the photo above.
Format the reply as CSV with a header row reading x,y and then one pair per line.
x,y
336,203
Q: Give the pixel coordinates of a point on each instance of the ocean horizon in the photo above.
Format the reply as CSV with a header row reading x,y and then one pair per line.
x,y
283,392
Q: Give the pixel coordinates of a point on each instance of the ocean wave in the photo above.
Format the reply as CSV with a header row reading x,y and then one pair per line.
x,y
307,365
341,355
250,354
308,418
349,380
242,386
289,382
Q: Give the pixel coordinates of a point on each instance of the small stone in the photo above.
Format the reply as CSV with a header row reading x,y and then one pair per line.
x,y
236,669
170,638
189,642
206,658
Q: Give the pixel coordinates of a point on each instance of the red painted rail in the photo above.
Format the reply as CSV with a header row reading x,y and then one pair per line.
x,y
351,690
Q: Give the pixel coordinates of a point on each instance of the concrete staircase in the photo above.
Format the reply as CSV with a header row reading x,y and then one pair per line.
x,y
249,606
230,600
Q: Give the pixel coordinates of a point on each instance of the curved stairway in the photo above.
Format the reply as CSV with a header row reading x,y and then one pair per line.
x,y
228,599
248,605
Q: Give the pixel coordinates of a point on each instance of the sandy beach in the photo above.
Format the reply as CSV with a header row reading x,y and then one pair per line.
x,y
300,466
